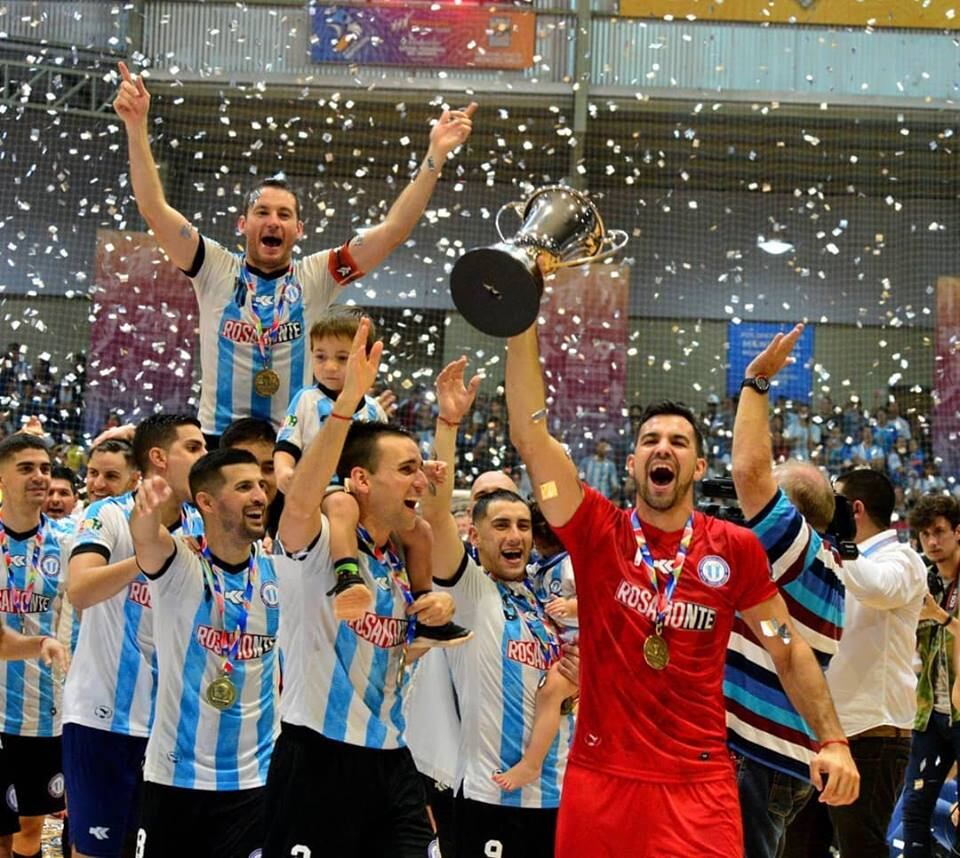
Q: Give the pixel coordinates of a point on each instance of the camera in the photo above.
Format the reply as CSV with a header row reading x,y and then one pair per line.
x,y
719,499
935,584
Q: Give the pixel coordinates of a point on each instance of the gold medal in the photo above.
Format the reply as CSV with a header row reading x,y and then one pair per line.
x,y
266,382
221,693
656,653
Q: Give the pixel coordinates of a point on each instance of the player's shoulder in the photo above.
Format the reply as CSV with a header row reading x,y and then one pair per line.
x,y
107,509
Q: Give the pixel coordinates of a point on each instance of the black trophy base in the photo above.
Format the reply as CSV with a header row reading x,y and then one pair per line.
x,y
497,289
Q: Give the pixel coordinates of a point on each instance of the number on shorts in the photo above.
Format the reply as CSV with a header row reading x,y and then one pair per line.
x,y
141,843
301,852
493,849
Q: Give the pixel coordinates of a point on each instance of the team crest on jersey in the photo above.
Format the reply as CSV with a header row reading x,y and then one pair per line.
x,y
293,293
55,786
713,571
270,594
290,420
50,565
554,586
12,798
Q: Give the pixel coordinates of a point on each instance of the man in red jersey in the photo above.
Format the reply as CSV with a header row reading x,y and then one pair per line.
x,y
658,589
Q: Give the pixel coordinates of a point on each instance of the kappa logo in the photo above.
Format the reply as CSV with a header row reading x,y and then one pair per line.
x,y
101,832
12,798
55,786
713,571
383,583
270,594
263,300
234,597
50,565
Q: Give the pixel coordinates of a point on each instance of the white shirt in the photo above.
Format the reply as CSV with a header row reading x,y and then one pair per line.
x,y
871,677
432,720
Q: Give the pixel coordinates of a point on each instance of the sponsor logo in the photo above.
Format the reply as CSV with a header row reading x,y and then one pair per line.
x,y
251,646
55,786
526,652
91,524
713,571
14,601
103,712
682,615
50,565
12,798
270,594
239,331
101,832
139,593
383,632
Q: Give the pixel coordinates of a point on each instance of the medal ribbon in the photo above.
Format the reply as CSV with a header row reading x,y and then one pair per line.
x,y
644,558
265,337
398,574
229,644
33,566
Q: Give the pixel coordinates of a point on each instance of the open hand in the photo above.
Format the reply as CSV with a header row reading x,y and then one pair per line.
x,y
776,355
454,398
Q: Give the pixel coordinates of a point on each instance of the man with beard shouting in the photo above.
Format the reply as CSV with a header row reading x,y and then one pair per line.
x,y
658,588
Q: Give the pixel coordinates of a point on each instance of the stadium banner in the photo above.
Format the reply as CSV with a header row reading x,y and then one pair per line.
x,y
428,34
904,14
143,324
745,340
584,343
946,376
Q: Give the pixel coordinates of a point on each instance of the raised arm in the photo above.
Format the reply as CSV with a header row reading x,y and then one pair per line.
x,y
552,473
454,401
174,232
301,520
802,679
752,454
374,245
152,542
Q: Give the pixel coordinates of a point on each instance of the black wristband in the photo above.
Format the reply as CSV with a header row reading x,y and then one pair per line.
x,y
946,622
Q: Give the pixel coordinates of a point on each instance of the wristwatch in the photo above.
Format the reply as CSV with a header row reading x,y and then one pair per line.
x,y
759,383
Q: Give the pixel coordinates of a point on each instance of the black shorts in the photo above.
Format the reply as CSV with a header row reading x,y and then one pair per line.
x,y
491,831
214,824
328,799
440,802
31,778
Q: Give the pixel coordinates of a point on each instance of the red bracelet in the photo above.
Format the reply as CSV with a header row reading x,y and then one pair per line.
x,y
340,416
834,742
450,423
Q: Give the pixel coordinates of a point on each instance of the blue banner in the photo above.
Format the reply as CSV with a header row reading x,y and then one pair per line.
x,y
747,339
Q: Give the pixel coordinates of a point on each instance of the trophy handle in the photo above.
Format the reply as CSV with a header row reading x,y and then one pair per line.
x,y
616,238
517,207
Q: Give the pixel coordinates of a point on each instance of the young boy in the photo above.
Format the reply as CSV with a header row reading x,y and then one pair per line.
x,y
330,342
551,579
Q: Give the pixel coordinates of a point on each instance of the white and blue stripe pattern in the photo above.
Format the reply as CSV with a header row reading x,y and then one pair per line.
x,y
229,355
192,744
309,410
30,701
496,677
762,723
341,678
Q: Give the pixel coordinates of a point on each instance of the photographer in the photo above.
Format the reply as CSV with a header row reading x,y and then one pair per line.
x,y
788,510
936,729
872,679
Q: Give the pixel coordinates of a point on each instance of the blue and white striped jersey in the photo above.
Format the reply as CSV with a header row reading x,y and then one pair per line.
x,y
192,744
229,355
68,629
553,578
29,691
112,679
340,679
309,410
496,676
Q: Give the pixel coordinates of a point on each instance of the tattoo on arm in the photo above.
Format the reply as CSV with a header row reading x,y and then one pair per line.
x,y
186,231
431,165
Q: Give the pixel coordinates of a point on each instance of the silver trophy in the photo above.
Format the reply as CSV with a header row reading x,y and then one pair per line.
x,y
498,289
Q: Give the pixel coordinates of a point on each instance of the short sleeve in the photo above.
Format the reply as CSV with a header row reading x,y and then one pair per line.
x,y
467,587
219,267
99,530
290,436
182,575
753,582
316,273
